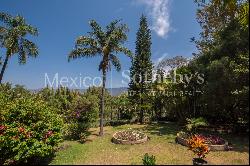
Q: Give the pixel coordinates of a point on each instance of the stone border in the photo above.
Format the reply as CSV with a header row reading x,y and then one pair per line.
x,y
223,147
127,142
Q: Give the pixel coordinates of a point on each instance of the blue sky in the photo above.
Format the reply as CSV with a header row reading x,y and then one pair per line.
x,y
60,22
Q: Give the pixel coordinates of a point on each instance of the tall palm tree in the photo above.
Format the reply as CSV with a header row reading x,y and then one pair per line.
x,y
13,32
107,44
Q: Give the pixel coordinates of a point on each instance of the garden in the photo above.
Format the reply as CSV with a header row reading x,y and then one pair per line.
x,y
180,110
161,144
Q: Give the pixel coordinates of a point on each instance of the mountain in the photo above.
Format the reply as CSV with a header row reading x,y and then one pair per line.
x,y
112,91
117,91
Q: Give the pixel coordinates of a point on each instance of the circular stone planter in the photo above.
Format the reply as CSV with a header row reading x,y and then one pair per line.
x,y
182,141
223,147
117,140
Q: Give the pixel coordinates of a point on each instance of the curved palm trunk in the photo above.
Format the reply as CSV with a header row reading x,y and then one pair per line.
x,y
102,102
3,68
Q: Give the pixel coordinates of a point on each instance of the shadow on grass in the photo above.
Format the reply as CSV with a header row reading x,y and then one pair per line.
x,y
160,129
239,143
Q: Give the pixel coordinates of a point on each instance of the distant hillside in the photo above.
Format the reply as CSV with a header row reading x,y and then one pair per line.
x,y
117,91
112,91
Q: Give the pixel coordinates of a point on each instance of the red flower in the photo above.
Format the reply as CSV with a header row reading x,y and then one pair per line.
x,y
2,129
21,129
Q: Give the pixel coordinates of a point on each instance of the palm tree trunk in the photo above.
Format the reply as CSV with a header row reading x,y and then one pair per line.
x,y
102,102
4,67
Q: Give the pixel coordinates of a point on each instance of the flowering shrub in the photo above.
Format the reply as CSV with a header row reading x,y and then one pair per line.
x,y
209,139
198,146
212,139
80,118
215,140
29,129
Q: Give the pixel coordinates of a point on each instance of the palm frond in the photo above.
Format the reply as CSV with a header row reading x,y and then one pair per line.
x,y
97,32
22,55
31,30
3,30
84,41
124,50
6,18
116,62
111,27
30,48
82,52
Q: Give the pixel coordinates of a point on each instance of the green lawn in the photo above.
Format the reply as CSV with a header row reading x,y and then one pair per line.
x,y
162,144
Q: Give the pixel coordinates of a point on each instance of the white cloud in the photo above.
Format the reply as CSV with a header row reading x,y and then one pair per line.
x,y
158,10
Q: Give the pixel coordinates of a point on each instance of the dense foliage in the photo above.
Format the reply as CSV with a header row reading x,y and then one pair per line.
x,y
79,111
214,84
29,128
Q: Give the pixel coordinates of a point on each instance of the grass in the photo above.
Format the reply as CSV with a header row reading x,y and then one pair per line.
x,y
162,144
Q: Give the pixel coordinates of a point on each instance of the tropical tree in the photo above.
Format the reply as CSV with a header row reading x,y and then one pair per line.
x,y
13,33
106,43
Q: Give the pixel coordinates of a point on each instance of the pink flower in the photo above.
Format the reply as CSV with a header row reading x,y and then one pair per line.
x,y
48,134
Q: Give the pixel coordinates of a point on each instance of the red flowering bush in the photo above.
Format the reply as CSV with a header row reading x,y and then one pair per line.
x,y
198,146
212,139
29,129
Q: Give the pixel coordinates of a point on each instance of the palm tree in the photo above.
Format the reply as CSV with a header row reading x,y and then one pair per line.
x,y
106,44
13,37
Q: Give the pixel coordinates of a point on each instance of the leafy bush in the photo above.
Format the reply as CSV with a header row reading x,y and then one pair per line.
x,y
183,134
29,129
79,111
148,160
83,137
194,123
